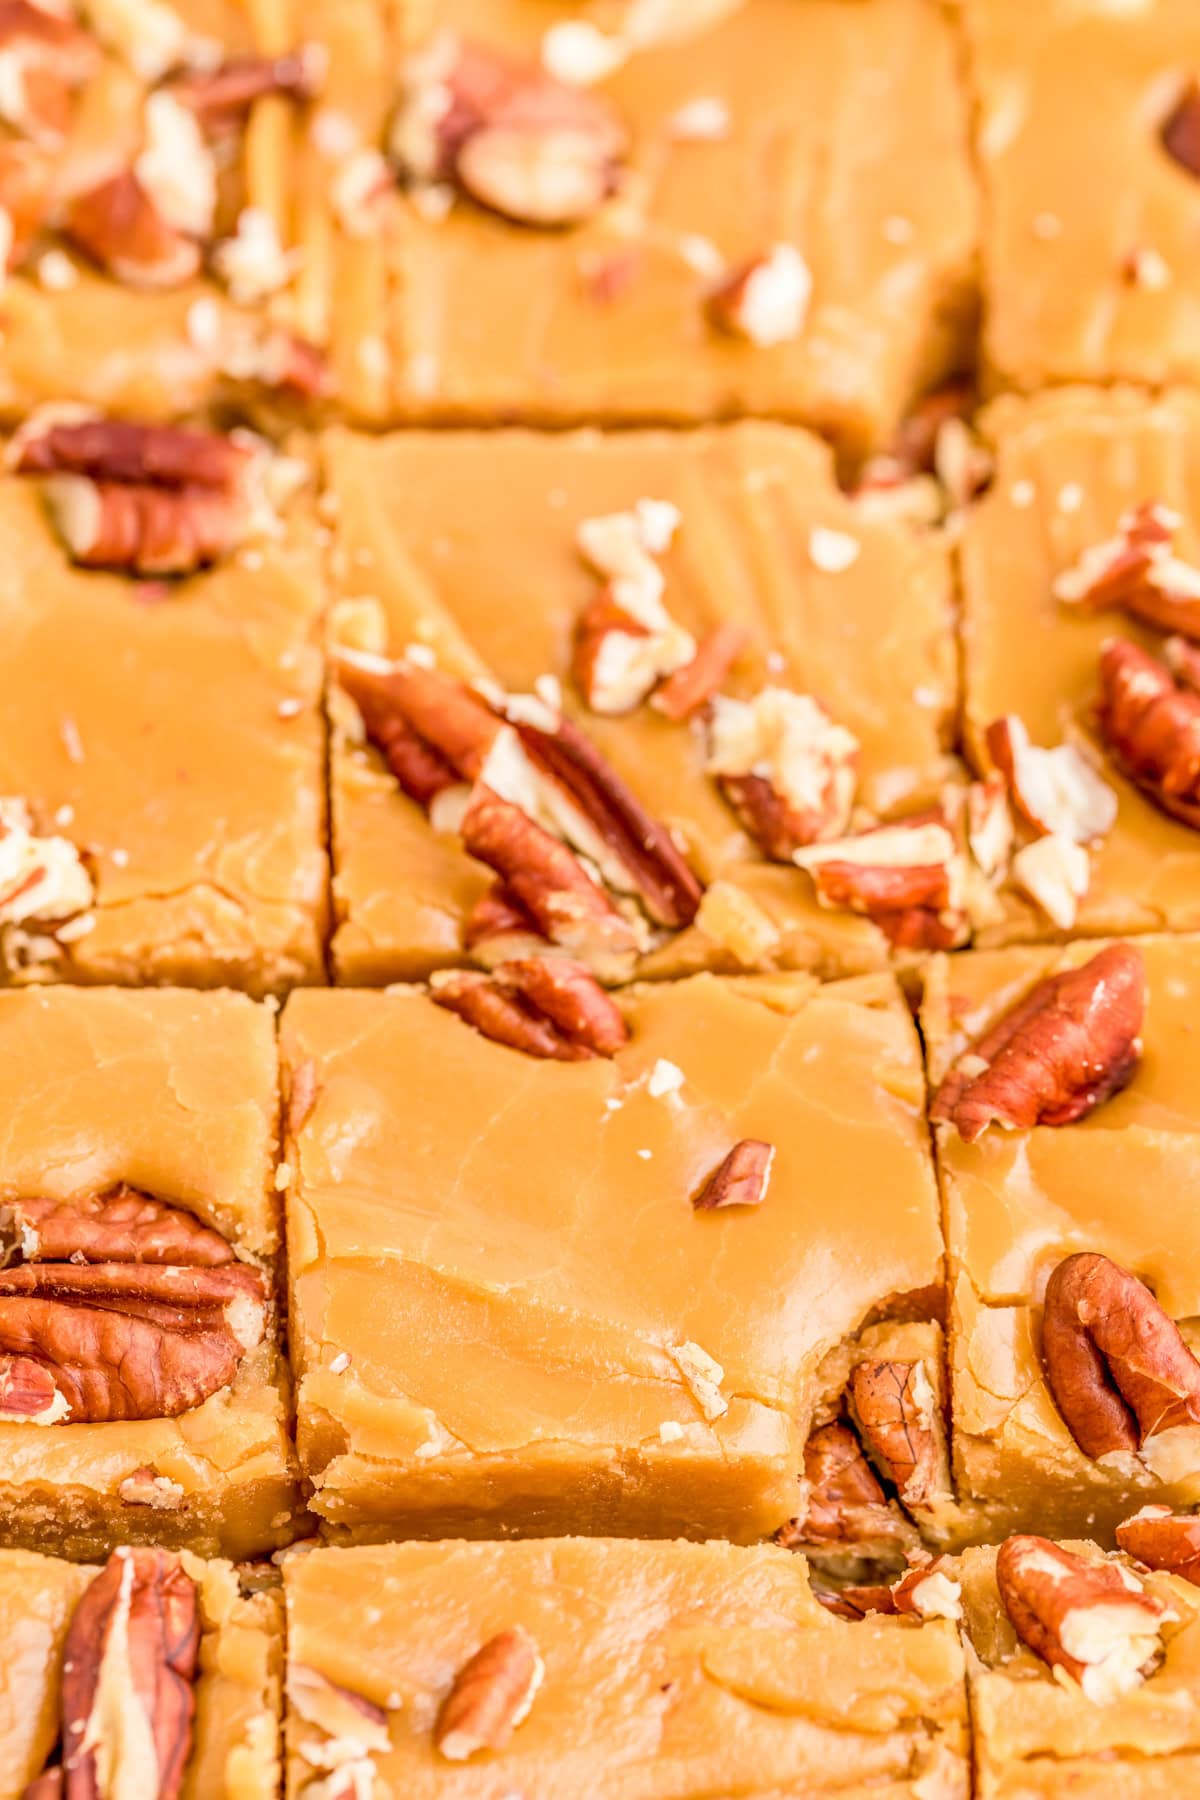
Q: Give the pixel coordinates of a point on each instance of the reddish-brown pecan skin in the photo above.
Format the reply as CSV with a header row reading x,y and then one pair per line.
x,y
845,1499
120,1226
1116,1364
1151,725
1070,1044
1164,1540
552,1007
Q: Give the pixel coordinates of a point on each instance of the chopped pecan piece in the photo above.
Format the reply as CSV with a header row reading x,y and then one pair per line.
x,y
913,449
989,826
1151,725
764,300
1056,791
740,1179
1137,572
119,225
44,56
896,1411
857,1599
432,730
786,769
351,1723
1092,1620
498,918
1183,659
692,687
221,98
906,877
27,1392
1163,1539
491,1695
847,1507
1055,873
129,1664
545,1006
532,149
930,1590
1181,129
43,880
1066,1047
26,176
1116,1364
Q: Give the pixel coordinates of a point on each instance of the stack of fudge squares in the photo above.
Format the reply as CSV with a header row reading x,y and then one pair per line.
x,y
599,899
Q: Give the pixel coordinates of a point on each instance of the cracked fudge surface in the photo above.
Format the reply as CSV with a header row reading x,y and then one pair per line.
x,y
1073,102
506,1311
838,132
1069,466
234,1741
173,1095
1035,1735
692,1669
170,731
1019,1201
486,575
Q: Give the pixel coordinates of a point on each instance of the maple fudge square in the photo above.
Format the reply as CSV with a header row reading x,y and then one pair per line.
x,y
1088,134
137,1179
692,1669
1036,1730
780,217
162,756
1066,1227
1056,644
517,1302
482,554
156,1623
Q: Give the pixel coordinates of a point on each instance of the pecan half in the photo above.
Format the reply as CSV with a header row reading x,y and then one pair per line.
x,y
847,1506
1163,1539
120,1226
907,878
545,1006
1092,1620
491,1695
129,1664
740,1179
1056,791
221,98
1068,1045
1116,1364
526,146
432,730
145,530
57,441
1180,131
764,300
45,56
119,226
695,684
1151,725
896,1411
788,771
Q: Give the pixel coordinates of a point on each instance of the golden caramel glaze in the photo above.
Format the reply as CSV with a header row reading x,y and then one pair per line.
x,y
1071,101
1068,465
73,331
174,1093
172,732
696,1669
431,548
1034,1735
1019,1201
845,138
505,1309
235,1739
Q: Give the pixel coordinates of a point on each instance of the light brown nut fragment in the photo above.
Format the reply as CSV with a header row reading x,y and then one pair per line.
x,y
129,1664
303,1089
26,180
846,1504
119,226
929,1591
1180,131
1055,873
498,919
856,1600
542,178
1116,1364
913,450
407,708
896,1411
612,662
694,685
1056,791
491,1695
1138,571
1068,1045
1151,726
45,55
989,827
221,98
909,868
786,768
1093,1621
352,1724
28,1392
764,300
740,1179
1163,1539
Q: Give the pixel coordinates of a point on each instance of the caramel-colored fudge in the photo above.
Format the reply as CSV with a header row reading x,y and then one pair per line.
x,y
234,1749
1069,466
694,1669
173,1095
170,733
232,276
1019,1201
466,546
1037,1735
1091,257
507,1312
835,132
